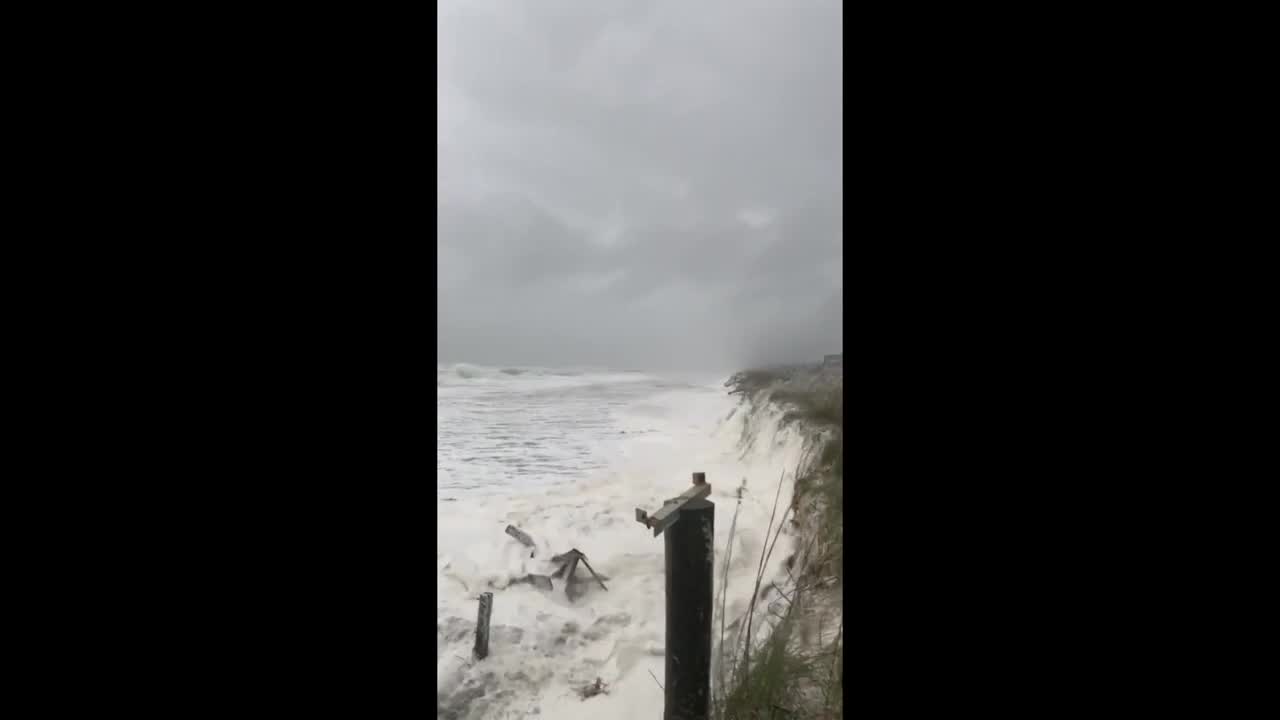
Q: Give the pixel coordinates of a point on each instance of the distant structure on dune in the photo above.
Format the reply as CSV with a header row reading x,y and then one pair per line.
x,y
836,360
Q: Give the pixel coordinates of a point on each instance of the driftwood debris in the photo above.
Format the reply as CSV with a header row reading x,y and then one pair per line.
x,y
568,566
542,582
599,687
523,537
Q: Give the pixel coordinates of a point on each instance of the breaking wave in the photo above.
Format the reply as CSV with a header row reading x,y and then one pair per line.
x,y
641,450
465,373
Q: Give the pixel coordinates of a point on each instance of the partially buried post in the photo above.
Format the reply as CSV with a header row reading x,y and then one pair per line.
x,y
481,650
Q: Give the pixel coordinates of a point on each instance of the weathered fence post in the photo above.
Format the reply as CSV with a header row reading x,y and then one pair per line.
x,y
689,524
690,552
481,650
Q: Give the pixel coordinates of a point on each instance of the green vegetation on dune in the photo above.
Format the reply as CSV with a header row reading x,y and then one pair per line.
x,y
797,669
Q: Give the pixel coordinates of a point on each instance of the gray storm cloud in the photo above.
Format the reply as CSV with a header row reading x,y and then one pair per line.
x,y
639,184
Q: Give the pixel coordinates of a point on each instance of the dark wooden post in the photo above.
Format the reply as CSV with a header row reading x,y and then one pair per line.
x,y
481,650
690,551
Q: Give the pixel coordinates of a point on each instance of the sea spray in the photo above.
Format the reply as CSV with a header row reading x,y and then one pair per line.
x,y
567,459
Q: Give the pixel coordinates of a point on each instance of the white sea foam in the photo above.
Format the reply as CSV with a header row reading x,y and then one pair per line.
x,y
567,456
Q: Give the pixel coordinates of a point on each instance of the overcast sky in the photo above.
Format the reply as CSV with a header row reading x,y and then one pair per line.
x,y
641,184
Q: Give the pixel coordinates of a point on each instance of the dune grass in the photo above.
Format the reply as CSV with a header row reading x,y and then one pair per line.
x,y
793,671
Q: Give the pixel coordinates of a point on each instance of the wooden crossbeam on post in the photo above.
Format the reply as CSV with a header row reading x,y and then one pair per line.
x,y
663,518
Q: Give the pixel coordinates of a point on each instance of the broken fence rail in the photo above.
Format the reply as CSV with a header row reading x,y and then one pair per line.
x,y
523,537
568,563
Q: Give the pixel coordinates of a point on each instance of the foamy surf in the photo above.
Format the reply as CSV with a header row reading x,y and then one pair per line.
x,y
605,444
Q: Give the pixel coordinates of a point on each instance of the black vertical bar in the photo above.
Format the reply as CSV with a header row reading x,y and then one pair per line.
x,y
481,650
689,555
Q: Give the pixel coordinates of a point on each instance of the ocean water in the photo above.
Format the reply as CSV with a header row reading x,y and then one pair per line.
x,y
567,455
